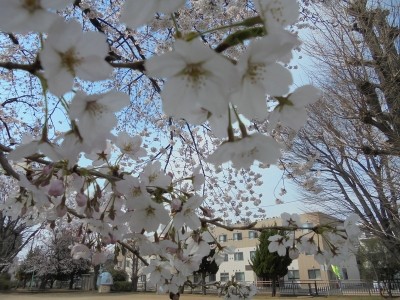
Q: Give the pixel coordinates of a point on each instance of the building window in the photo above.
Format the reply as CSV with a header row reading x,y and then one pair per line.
x,y
239,276
197,278
222,238
128,263
253,234
225,257
307,227
314,274
252,254
238,256
237,236
224,277
293,274
212,277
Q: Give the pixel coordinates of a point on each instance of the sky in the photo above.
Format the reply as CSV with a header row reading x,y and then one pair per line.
x,y
271,188
272,177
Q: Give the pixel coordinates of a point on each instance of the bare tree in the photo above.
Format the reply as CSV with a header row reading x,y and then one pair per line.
x,y
15,233
348,154
356,46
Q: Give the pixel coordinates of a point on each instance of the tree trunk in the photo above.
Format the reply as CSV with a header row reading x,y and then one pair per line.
x,y
71,282
203,283
134,275
96,274
173,296
273,287
43,283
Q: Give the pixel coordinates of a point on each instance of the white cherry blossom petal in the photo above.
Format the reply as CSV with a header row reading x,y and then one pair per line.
x,y
245,151
23,16
136,13
69,52
277,14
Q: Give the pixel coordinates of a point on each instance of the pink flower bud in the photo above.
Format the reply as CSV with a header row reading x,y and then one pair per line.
x,y
61,210
47,169
294,253
56,188
176,204
81,199
208,212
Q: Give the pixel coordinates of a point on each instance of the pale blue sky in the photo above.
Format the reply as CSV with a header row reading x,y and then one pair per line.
x,y
272,176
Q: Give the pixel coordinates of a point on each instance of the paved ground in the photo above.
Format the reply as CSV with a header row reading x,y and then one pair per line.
x,y
139,296
112,296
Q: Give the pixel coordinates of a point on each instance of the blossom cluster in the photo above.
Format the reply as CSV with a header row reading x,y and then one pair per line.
x,y
108,178
329,243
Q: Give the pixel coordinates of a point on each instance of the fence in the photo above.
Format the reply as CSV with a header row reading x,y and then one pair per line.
x,y
296,287
335,287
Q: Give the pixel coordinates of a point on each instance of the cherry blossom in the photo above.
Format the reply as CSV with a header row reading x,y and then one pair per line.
x,y
35,146
23,16
308,244
277,14
35,193
187,215
148,215
261,74
198,81
154,176
132,189
245,151
294,112
350,225
130,145
159,271
144,178
95,114
277,244
136,13
290,220
81,54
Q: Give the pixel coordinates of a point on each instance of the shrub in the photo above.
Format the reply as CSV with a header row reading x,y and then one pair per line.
x,y
119,275
122,286
5,282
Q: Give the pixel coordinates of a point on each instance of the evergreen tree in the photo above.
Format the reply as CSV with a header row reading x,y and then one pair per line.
x,y
208,266
376,261
267,265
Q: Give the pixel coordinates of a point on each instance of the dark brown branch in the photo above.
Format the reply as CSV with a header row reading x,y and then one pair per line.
x,y
134,251
31,68
137,65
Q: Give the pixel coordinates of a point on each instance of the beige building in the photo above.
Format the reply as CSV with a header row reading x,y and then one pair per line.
x,y
303,268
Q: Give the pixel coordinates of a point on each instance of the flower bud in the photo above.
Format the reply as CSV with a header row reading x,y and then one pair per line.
x,y
61,210
81,199
294,253
56,188
176,204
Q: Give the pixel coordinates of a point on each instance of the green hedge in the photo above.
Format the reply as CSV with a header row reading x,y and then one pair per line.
x,y
122,286
5,283
119,275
